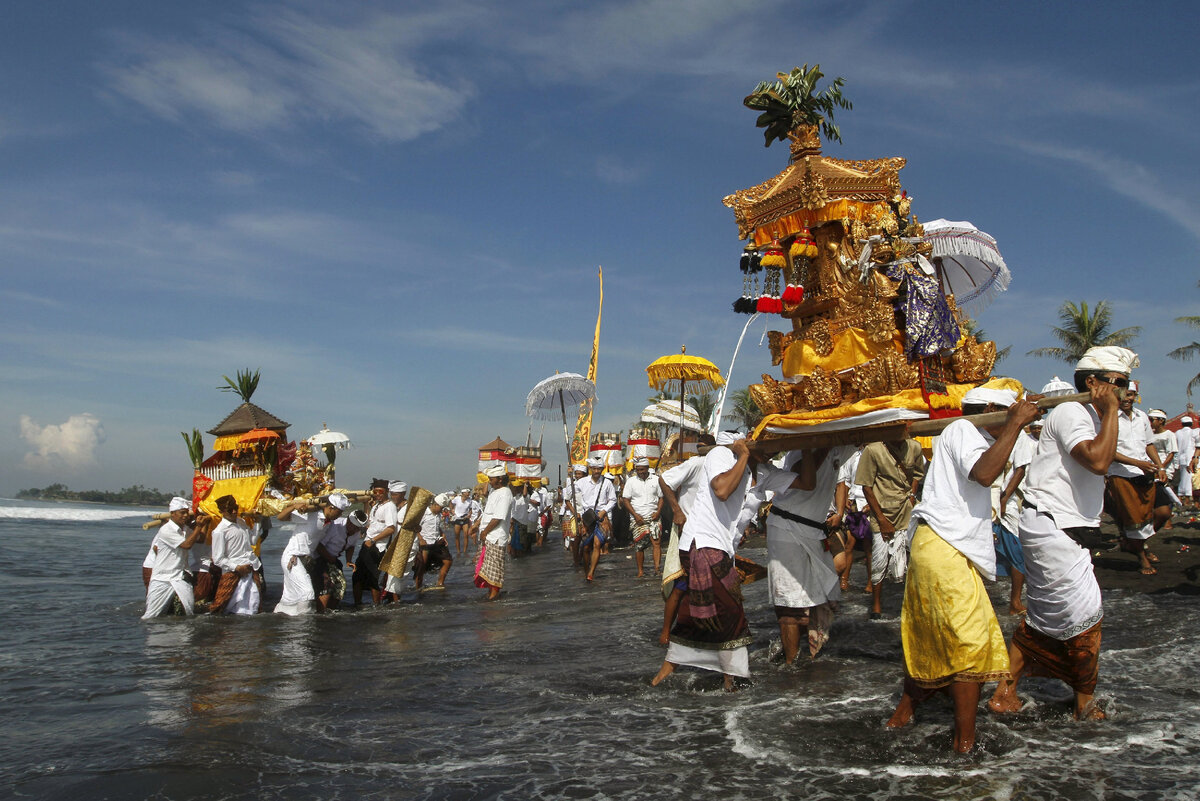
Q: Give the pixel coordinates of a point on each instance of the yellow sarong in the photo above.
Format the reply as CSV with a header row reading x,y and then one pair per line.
x,y
947,624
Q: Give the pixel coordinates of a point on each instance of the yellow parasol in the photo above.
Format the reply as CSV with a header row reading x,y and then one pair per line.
x,y
679,370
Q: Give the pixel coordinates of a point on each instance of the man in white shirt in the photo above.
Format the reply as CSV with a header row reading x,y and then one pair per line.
x,y
494,534
434,551
711,631
311,526
340,540
1167,447
592,504
462,520
642,497
571,530
239,591
382,523
952,641
1185,438
679,485
1129,487
1064,489
168,579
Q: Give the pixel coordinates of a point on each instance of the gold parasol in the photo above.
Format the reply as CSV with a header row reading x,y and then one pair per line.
x,y
679,370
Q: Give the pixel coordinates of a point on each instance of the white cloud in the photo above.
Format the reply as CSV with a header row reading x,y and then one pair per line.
x,y
286,67
71,445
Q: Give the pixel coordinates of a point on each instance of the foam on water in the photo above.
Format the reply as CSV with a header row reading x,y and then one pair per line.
x,y
72,514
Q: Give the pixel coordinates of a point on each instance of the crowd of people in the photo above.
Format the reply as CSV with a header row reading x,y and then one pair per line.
x,y
1003,492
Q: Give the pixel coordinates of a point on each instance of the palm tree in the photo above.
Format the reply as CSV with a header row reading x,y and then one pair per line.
x,y
1186,352
244,386
971,328
789,103
1082,329
745,411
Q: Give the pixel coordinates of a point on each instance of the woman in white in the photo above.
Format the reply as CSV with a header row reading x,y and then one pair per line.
x,y
298,596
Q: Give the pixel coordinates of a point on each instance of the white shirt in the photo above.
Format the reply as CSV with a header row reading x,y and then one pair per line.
x,y
383,516
643,495
1057,484
855,498
1133,435
429,531
599,495
1021,456
231,546
1167,447
957,508
686,475
476,509
811,504
499,507
170,561
462,508
337,538
310,529
1185,439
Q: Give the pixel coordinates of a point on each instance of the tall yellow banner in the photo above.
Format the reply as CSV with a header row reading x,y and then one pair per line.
x,y
583,428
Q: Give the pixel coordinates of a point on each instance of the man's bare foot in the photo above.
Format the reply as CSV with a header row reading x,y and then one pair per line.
x,y
903,714
729,687
666,670
1091,712
1004,701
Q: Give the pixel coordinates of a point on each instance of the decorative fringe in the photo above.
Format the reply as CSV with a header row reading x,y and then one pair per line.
x,y
793,294
774,259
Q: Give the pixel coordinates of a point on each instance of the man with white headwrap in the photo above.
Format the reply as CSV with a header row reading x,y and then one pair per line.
x,y
168,579
1185,438
952,641
494,535
642,497
1167,447
567,521
382,523
1130,485
1064,490
434,551
462,520
711,631
592,502
312,524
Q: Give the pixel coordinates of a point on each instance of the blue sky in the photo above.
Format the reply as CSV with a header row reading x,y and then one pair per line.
x,y
396,210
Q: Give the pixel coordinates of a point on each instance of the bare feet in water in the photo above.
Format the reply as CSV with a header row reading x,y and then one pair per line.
x,y
666,670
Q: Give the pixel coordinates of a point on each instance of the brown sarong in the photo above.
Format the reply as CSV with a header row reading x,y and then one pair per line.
x,y
1075,661
1130,501
225,588
710,613
489,570
206,584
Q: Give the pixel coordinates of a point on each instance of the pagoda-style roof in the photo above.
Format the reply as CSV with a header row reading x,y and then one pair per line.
x,y
495,445
246,418
812,181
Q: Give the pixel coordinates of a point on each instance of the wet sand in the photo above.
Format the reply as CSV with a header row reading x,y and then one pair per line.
x,y
1178,566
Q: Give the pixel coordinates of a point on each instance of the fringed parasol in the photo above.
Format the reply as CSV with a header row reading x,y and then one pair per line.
x,y
258,435
972,267
326,437
666,412
550,396
672,372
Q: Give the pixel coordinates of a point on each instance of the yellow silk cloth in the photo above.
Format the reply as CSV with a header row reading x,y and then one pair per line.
x,y
947,625
807,218
908,399
246,491
850,348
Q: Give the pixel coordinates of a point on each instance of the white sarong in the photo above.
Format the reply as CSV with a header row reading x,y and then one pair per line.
x,y
160,593
1062,595
733,661
800,571
298,595
889,558
246,599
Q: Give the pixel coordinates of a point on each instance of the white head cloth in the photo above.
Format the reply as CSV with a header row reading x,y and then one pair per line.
x,y
495,471
397,486
982,396
1109,359
465,491
1185,420
596,460
729,437
1159,413
443,499
641,461
178,503
339,501
358,518
579,467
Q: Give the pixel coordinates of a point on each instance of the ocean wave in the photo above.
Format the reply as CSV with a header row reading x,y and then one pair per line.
x,y
71,514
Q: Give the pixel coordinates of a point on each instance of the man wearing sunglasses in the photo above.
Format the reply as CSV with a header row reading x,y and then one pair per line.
x,y
1064,490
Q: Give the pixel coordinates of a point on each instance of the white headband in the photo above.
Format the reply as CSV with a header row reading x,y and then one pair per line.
x,y
179,504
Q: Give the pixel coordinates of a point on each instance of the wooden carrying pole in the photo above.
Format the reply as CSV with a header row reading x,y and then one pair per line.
x,y
886,432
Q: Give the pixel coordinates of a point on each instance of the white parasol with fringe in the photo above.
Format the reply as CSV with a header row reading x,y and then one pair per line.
x,y
971,265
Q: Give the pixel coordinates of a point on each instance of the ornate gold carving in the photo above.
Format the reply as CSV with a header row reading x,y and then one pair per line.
x,y
879,322
778,342
804,140
819,390
973,361
813,194
886,374
818,332
771,396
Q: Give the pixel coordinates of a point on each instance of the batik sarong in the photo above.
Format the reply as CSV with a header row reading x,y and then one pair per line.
x,y
206,584
1075,661
645,534
236,595
328,579
1130,501
489,570
947,625
710,630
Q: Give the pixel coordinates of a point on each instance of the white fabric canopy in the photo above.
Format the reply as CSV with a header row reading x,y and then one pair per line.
x,y
666,412
544,399
972,266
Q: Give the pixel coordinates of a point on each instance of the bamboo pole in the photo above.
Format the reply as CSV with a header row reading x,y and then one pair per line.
x,y
886,432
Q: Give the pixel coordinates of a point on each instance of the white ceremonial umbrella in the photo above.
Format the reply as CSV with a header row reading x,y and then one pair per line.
x,y
666,412
326,437
971,265
551,397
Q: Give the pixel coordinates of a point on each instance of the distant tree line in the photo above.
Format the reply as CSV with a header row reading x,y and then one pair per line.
x,y
137,495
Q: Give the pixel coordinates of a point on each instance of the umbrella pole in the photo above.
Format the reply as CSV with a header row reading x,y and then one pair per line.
x,y
682,395
570,468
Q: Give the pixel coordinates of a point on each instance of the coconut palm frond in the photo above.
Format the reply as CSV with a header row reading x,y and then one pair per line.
x,y
1083,328
791,102
244,386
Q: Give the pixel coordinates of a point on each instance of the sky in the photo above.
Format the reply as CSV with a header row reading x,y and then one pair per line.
x,y
397,210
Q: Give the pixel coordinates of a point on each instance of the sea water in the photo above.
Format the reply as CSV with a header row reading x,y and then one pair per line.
x,y
544,694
